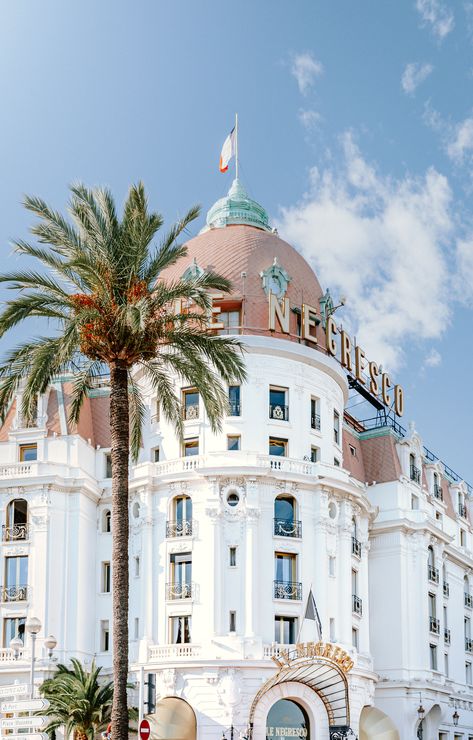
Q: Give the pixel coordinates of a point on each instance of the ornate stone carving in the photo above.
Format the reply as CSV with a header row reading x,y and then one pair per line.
x,y
229,688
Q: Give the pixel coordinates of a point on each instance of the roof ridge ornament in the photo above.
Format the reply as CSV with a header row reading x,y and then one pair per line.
x,y
237,208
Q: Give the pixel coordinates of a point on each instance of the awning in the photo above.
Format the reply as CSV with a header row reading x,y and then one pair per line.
x,y
174,719
376,725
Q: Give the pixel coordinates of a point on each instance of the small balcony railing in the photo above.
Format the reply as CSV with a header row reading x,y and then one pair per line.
x,y
315,422
179,528
16,533
178,591
356,547
14,593
287,528
462,510
468,600
446,588
438,493
191,412
234,409
357,605
278,412
415,474
469,644
288,590
434,625
446,636
433,574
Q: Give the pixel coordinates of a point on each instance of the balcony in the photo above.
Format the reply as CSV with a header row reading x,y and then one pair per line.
x,y
468,600
8,655
181,651
462,510
179,591
19,532
446,636
287,528
278,412
12,594
356,547
315,422
415,474
357,605
288,590
446,588
179,528
434,625
433,574
438,494
191,412
468,645
234,409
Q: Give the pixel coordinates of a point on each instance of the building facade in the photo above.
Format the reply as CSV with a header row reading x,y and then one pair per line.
x,y
232,534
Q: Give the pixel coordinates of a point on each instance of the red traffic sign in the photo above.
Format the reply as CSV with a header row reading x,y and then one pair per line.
x,y
145,729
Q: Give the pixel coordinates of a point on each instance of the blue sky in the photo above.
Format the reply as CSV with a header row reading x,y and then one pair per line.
x,y
356,134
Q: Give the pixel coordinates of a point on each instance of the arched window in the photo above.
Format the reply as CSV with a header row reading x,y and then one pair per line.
x,y
414,471
286,714
432,570
16,520
431,557
285,517
106,520
180,521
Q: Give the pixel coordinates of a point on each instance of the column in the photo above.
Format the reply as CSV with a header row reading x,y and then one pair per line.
x,y
251,573
344,587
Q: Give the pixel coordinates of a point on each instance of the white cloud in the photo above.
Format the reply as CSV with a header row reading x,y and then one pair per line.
x,y
413,75
438,15
461,140
464,281
433,358
382,243
309,118
305,69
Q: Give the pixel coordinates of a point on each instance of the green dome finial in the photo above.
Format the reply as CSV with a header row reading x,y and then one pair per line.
x,y
237,208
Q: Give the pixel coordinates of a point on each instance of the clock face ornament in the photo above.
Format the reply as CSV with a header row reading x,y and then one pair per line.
x,y
275,279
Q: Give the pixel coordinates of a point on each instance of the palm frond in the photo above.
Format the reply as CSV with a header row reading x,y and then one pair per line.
x,y
137,417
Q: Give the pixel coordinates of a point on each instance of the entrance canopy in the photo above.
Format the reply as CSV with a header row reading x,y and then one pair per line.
x,y
376,725
174,720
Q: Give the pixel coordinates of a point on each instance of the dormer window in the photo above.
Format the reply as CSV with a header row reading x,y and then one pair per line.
x,y
413,469
437,488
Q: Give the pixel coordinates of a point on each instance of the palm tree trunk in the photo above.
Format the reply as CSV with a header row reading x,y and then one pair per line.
x,y
119,424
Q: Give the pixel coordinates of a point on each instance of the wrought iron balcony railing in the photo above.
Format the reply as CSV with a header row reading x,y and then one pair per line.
x,y
288,590
15,533
462,510
234,409
179,591
278,412
191,412
468,600
415,474
287,527
434,625
438,493
469,644
433,574
357,605
446,588
315,422
356,547
179,528
446,636
14,593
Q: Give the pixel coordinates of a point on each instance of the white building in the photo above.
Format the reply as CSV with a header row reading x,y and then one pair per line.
x,y
231,532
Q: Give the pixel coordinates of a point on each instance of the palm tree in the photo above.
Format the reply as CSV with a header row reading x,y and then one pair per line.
x,y
77,701
109,305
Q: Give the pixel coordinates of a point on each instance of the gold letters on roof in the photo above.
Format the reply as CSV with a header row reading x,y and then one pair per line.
x,y
315,650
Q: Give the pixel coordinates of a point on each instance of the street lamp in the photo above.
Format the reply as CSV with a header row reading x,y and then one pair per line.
x,y
421,715
16,645
50,643
455,718
33,626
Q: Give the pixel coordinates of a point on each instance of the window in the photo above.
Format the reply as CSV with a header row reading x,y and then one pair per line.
x,y
231,322
233,442
137,566
180,629
462,538
445,617
354,582
232,622
190,404
182,514
314,454
107,520
285,630
467,627
285,567
331,566
438,517
352,450
432,606
155,453
16,521
354,637
315,414
106,578
336,427
181,576
332,630
191,447
28,453
413,469
433,657
108,465
278,408
137,628
16,578
445,663
336,462
232,556
414,502
234,400
104,636
468,676
278,447
286,523
13,627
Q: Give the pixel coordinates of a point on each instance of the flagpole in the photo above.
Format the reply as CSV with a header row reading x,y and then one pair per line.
x,y
236,144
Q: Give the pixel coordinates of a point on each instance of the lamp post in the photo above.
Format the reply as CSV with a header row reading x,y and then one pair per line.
x,y
33,626
16,645
50,643
243,735
421,715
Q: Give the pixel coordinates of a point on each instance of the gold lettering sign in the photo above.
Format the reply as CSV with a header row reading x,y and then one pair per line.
x,y
374,373
330,331
308,321
345,343
315,650
279,311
